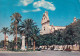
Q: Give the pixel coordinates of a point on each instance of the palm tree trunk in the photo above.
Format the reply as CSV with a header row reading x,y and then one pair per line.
x,y
27,43
72,48
79,47
4,40
16,37
63,47
34,45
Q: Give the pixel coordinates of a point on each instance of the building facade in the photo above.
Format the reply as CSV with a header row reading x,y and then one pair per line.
x,y
46,27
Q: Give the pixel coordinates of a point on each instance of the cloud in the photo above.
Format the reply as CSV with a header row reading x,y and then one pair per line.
x,y
44,4
25,11
25,2
35,10
37,5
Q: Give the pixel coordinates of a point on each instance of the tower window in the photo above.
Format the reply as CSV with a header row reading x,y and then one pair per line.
x,y
44,28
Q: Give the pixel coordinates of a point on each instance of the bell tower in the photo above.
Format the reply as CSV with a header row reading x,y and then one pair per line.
x,y
45,23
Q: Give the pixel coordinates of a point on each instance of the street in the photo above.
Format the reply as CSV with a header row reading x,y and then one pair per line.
x,y
41,53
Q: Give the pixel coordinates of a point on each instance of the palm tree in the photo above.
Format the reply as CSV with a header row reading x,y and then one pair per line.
x,y
12,32
5,30
32,30
22,28
35,33
25,29
16,17
29,29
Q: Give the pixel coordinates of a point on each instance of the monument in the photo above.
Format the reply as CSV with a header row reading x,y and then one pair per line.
x,y
23,43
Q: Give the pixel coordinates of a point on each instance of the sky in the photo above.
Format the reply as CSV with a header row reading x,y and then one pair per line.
x,y
61,12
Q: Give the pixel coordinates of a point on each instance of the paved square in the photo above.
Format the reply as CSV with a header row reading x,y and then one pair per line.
x,y
41,53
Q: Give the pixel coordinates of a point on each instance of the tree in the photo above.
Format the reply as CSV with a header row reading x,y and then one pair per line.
x,y
45,39
69,35
11,45
1,43
39,41
5,30
72,33
76,29
29,29
35,33
23,30
16,17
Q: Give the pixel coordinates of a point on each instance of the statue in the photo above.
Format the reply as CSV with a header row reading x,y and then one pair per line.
x,y
23,43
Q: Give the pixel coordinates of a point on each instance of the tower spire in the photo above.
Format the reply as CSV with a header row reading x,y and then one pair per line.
x,y
45,18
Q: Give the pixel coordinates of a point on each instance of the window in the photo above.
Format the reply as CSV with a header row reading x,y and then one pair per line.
x,y
44,28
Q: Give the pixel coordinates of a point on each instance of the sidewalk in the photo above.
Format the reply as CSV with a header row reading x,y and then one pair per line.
x,y
19,51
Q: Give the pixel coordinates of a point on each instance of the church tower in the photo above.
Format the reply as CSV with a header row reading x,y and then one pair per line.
x,y
45,24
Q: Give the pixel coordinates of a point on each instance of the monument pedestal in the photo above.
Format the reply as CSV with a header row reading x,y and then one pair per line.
x,y
23,43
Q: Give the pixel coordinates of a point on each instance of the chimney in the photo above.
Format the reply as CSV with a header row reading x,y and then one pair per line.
x,y
74,19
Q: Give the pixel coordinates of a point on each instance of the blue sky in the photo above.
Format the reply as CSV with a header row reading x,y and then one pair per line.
x,y
61,12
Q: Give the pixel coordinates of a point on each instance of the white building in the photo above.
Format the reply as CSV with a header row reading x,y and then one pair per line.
x,y
46,27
